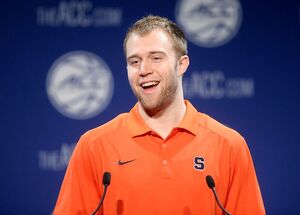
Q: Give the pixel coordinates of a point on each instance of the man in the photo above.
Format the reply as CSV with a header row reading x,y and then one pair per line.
x,y
160,153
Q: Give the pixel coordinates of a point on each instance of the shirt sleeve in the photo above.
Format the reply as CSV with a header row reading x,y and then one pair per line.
x,y
244,197
80,190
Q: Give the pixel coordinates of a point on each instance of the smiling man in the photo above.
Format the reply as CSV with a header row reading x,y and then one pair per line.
x,y
160,153
155,73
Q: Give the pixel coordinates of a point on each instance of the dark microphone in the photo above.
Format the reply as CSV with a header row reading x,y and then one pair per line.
x,y
211,184
105,182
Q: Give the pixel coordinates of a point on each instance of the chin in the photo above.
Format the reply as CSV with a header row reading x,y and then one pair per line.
x,y
151,107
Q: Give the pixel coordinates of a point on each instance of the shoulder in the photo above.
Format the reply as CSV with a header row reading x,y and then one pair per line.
x,y
109,127
220,130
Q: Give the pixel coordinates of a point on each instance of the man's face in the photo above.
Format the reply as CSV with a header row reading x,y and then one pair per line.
x,y
152,68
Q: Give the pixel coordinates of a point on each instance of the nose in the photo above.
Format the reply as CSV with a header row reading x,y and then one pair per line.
x,y
145,69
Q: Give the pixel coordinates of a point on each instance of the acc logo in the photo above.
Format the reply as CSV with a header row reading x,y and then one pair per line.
x,y
209,23
199,163
79,85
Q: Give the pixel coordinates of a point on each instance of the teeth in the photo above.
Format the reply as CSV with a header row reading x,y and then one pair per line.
x,y
148,84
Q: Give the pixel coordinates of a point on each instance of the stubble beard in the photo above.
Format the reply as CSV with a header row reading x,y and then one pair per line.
x,y
168,95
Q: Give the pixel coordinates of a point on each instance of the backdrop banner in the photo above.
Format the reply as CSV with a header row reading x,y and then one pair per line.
x,y
63,72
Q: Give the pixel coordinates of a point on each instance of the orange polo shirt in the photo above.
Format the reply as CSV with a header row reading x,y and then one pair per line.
x,y
162,176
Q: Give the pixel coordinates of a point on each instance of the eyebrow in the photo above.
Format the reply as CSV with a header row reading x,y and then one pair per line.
x,y
132,56
157,52
151,53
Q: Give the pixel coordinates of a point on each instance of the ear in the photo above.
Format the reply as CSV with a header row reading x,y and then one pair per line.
x,y
184,62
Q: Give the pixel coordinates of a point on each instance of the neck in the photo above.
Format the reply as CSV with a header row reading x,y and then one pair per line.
x,y
165,120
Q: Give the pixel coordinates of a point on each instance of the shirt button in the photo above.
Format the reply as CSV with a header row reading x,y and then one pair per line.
x,y
164,162
164,145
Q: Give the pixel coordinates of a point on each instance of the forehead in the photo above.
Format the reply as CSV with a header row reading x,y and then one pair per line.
x,y
155,40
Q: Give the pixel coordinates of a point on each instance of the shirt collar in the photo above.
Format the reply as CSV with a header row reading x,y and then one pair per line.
x,y
137,126
190,119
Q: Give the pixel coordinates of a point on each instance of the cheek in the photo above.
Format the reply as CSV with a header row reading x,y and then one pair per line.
x,y
130,76
172,72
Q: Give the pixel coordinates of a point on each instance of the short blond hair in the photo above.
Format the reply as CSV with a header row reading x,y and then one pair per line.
x,y
150,22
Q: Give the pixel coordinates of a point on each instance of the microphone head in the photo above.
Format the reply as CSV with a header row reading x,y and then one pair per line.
x,y
210,181
106,178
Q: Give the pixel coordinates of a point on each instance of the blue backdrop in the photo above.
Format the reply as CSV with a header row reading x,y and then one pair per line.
x,y
63,72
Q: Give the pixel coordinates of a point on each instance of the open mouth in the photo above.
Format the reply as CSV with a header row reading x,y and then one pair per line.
x,y
149,85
